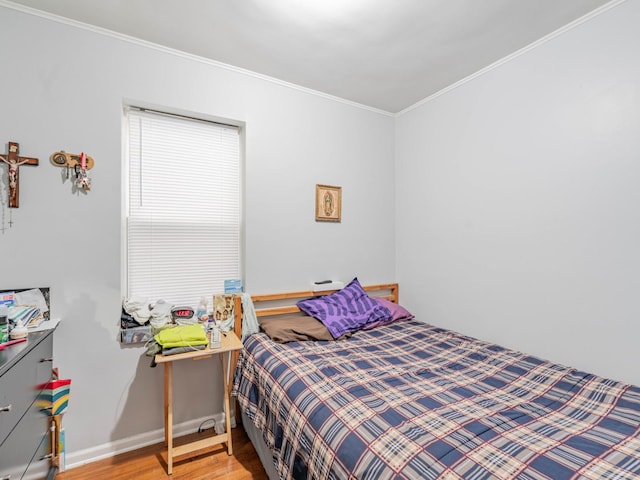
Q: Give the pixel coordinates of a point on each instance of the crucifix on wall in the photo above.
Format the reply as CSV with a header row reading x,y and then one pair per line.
x,y
14,161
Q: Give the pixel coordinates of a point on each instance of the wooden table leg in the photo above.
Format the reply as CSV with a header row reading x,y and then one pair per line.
x,y
226,372
168,414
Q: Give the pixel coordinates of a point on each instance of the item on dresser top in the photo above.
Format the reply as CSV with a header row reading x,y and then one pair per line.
x,y
6,298
32,297
12,342
4,323
19,331
30,316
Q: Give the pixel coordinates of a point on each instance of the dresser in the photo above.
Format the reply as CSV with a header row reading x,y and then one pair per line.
x,y
24,428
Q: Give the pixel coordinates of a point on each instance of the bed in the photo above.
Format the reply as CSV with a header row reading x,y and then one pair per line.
x,y
407,400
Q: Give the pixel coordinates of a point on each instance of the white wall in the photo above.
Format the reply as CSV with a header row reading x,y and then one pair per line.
x,y
63,88
518,197
516,206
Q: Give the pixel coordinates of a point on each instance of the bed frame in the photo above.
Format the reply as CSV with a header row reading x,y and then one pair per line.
x,y
275,304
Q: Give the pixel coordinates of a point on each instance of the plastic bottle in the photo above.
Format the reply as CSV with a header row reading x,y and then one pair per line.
x,y
201,311
214,336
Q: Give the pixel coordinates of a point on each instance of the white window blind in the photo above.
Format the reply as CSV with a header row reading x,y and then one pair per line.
x,y
183,219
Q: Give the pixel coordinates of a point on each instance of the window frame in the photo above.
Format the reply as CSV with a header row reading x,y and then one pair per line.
x,y
125,189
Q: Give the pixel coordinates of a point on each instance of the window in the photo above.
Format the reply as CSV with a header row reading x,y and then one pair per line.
x,y
183,215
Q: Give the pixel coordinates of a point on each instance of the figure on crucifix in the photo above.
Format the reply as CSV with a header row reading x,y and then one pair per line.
x,y
13,174
13,160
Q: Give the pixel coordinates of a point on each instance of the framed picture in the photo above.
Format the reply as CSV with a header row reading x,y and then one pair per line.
x,y
328,203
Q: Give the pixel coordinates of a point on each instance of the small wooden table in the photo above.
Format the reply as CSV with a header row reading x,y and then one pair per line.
x,y
229,343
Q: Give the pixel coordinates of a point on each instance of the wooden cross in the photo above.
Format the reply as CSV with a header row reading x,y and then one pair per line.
x,y
14,161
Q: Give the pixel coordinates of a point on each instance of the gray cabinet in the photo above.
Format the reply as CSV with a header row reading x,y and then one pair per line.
x,y
24,427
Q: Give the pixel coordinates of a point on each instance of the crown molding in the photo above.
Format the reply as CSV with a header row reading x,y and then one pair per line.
x,y
309,91
570,26
179,53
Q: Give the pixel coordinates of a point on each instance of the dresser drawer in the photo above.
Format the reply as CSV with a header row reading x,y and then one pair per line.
x,y
40,467
28,444
20,385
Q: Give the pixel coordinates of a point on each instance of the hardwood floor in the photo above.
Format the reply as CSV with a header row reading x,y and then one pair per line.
x,y
149,463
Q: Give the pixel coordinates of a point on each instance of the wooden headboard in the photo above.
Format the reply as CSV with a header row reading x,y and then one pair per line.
x,y
274,304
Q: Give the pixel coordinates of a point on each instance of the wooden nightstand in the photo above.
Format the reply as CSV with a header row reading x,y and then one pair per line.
x,y
229,344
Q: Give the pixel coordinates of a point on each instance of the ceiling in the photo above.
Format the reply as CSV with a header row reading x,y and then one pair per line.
x,y
385,54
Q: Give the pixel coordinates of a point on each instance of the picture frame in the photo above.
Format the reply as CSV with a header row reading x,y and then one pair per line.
x,y
328,203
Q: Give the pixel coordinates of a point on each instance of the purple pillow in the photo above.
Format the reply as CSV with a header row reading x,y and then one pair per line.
x,y
345,311
397,313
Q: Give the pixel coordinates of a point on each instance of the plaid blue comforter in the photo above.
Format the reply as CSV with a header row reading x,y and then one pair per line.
x,y
409,400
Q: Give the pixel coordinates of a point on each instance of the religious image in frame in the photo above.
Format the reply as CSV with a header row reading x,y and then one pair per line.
x,y
328,203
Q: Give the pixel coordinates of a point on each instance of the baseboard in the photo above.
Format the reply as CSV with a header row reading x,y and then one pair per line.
x,y
111,449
